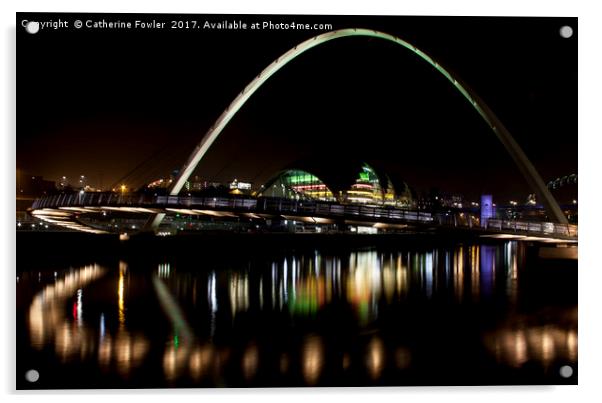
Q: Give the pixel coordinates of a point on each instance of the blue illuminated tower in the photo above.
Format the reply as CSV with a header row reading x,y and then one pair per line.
x,y
486,209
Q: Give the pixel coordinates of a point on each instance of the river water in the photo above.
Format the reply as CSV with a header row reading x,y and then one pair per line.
x,y
459,314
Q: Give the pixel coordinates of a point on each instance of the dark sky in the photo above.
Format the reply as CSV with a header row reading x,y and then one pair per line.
x,y
101,103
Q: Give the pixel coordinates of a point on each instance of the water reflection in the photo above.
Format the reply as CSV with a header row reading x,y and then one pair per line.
x,y
122,352
47,320
458,273
511,259
312,359
120,293
250,361
364,284
517,344
76,339
375,357
475,275
201,360
305,284
239,292
175,360
487,269
303,317
403,357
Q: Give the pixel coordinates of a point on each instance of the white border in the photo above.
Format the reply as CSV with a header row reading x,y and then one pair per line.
x,y
590,269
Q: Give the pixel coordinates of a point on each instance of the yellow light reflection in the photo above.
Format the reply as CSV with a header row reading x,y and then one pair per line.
x,y
375,357
128,351
201,361
120,297
402,277
47,321
543,344
389,280
547,346
250,361
284,363
403,358
239,293
571,345
174,361
346,361
459,273
475,271
72,338
105,352
313,359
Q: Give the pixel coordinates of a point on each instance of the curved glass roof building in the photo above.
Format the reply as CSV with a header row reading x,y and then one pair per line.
x,y
366,188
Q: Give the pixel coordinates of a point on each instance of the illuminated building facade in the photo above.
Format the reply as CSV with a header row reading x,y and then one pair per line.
x,y
240,188
366,188
487,209
299,185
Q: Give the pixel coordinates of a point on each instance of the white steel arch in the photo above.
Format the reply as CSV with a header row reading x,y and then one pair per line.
x,y
515,151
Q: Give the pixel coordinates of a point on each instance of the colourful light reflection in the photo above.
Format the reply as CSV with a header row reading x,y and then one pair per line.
x,y
47,320
487,269
364,284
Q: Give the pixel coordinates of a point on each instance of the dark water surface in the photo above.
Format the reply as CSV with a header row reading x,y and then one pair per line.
x,y
462,314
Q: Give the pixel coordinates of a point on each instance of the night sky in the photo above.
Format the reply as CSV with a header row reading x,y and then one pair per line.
x,y
101,103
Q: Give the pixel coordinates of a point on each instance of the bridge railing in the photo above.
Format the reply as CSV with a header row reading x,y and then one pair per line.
x,y
284,206
91,199
294,207
267,205
546,228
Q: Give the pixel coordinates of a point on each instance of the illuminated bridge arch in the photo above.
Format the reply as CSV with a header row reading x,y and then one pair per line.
x,y
517,154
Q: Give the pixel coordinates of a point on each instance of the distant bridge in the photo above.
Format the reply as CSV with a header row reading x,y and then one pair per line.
x,y
71,211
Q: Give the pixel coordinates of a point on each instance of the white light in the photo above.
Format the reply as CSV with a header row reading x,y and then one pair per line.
x,y
566,31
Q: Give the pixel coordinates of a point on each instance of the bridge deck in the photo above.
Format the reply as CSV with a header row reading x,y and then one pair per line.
x,y
67,208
